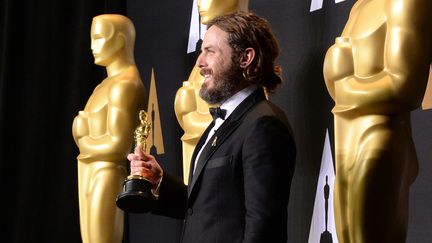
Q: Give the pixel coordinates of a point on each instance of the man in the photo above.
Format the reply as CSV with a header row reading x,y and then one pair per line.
x,y
242,167
192,112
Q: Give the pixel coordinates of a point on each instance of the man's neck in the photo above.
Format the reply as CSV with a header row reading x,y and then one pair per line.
x,y
231,103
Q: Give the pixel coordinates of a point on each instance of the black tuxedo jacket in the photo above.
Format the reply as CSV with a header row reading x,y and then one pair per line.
x,y
240,189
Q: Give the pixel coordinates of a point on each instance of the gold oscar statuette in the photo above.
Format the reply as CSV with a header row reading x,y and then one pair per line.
x,y
137,196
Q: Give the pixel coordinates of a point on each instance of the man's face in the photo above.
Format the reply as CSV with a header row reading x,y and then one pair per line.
x,y
222,76
209,9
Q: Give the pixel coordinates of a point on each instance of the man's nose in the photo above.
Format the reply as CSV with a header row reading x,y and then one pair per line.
x,y
200,61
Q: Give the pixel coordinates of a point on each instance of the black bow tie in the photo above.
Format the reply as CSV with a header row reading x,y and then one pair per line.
x,y
217,112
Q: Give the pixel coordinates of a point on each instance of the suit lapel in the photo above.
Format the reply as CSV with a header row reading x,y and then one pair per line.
x,y
197,149
213,144
229,126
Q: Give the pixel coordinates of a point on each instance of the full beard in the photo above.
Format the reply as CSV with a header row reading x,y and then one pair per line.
x,y
226,84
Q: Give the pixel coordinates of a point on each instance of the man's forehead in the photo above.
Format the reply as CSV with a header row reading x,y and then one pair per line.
x,y
215,37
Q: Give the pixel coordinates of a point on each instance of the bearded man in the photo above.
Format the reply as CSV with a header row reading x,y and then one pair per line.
x,y
242,167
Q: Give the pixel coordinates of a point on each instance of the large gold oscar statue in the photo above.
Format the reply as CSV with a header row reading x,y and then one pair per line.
x,y
376,73
103,131
191,111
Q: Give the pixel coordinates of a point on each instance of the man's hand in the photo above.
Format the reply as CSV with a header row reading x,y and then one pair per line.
x,y
145,165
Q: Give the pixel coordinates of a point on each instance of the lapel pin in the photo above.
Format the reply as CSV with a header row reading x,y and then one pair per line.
x,y
214,142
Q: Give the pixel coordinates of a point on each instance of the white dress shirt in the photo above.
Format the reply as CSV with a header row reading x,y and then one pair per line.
x,y
229,105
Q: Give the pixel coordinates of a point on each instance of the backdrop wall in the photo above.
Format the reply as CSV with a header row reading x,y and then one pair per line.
x,y
163,34
47,74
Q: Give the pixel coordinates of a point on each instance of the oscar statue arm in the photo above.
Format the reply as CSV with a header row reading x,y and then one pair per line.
x,y
121,119
80,127
408,49
406,59
191,110
184,102
338,63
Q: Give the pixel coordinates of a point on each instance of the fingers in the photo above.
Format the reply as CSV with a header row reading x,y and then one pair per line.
x,y
131,157
145,172
141,155
139,151
142,168
145,165
145,169
140,163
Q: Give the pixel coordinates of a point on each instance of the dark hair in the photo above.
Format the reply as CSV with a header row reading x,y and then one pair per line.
x,y
247,30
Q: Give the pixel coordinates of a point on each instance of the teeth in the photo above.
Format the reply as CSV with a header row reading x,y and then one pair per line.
x,y
206,75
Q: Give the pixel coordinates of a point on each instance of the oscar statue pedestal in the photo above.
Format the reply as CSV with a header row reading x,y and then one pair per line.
x,y
136,196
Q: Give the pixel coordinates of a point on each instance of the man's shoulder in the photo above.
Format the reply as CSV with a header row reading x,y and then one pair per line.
x,y
267,108
269,112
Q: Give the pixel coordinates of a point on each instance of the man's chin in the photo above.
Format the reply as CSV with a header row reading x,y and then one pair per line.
x,y
206,96
207,82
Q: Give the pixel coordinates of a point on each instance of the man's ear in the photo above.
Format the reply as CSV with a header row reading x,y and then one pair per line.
x,y
247,57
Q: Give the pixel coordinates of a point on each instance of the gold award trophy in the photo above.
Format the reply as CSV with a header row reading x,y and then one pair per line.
x,y
137,196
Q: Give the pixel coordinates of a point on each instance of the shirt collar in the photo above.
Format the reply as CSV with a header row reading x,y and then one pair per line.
x,y
230,104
